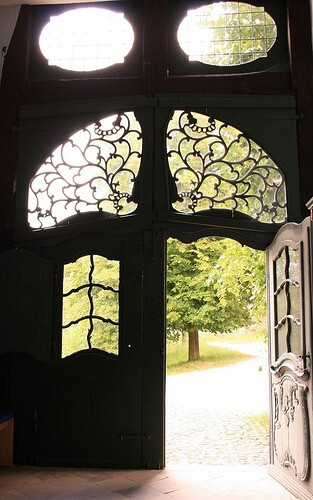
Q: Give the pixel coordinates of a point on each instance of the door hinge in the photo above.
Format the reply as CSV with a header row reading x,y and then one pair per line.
x,y
134,436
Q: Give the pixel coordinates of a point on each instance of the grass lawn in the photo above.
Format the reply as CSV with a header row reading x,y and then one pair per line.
x,y
211,357
255,333
261,420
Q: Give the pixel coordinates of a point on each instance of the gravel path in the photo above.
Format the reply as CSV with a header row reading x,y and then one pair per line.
x,y
208,412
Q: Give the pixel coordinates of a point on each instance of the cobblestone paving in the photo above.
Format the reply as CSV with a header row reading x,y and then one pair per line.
x,y
208,413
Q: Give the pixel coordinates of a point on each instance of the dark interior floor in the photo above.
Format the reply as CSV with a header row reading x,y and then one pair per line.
x,y
179,482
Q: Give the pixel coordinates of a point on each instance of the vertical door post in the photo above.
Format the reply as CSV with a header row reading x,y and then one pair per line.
x,y
153,349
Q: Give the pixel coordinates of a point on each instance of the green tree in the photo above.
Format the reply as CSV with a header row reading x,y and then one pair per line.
x,y
90,293
212,284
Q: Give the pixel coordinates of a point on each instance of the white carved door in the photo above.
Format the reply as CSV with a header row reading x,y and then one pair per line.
x,y
290,340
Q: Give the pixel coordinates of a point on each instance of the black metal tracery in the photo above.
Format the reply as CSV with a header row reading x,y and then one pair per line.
x,y
84,305
94,170
215,166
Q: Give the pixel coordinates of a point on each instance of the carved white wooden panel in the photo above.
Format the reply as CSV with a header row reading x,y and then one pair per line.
x,y
290,426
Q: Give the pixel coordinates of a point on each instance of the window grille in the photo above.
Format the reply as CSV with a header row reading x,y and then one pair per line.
x,y
94,170
227,33
215,166
90,305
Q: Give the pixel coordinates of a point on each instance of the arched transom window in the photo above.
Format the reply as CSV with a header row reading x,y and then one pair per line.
x,y
215,166
94,170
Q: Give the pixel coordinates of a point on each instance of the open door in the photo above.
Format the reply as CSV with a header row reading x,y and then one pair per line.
x,y
290,304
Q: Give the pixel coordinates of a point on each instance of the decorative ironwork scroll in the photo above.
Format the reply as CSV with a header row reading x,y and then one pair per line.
x,y
94,170
215,166
90,305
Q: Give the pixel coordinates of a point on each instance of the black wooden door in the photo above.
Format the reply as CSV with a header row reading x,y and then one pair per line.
x,y
90,400
290,347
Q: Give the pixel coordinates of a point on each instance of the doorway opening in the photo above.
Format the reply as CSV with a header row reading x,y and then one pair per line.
x,y
217,403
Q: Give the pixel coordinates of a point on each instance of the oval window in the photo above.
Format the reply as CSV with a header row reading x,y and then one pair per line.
x,y
86,39
227,34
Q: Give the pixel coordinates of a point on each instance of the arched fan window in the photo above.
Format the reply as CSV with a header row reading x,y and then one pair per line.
x,y
94,170
215,166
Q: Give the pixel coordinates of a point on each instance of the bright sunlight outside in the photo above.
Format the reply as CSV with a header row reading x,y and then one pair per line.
x,y
217,380
92,171
227,33
86,39
217,166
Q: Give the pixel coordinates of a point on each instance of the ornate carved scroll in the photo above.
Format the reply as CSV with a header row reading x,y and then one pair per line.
x,y
290,427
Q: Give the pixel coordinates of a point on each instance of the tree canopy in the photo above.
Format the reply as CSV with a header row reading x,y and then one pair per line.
x,y
213,284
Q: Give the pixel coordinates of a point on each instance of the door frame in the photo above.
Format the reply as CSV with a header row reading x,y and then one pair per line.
x,y
154,219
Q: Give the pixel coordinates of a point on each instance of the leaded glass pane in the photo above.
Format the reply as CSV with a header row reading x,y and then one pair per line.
x,y
288,301
281,340
280,268
294,264
281,305
227,33
94,170
215,166
295,338
295,301
90,305
73,340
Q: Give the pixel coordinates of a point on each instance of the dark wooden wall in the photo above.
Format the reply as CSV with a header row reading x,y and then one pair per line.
x,y
18,89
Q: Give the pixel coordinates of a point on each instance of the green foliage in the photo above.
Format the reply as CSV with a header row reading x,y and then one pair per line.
x,y
214,284
77,305
215,166
173,335
227,33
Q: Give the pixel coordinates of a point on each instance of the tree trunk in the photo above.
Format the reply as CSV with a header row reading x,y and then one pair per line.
x,y
193,346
